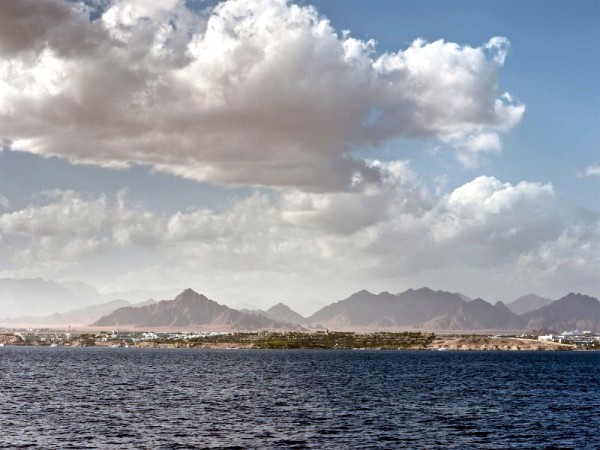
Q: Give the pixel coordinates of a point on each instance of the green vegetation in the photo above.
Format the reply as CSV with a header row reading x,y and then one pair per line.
x,y
318,340
345,340
86,340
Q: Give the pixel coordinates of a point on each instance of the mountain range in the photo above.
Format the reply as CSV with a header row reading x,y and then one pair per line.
x,y
420,309
48,303
416,309
79,317
37,297
191,310
426,309
572,312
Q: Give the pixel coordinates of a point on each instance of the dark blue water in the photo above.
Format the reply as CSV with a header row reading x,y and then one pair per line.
x,y
135,398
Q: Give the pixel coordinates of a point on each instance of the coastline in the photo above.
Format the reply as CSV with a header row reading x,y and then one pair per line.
x,y
332,341
458,343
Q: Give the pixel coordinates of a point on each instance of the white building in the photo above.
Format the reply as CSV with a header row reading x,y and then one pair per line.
x,y
548,337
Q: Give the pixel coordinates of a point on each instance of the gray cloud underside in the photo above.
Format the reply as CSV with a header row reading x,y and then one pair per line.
x,y
258,92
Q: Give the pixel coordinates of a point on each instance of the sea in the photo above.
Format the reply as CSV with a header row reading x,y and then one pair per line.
x,y
132,398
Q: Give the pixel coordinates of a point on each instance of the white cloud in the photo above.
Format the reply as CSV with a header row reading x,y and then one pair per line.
x,y
486,199
591,171
573,259
4,203
471,148
67,213
302,245
258,92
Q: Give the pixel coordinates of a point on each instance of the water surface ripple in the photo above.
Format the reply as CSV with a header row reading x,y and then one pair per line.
x,y
160,398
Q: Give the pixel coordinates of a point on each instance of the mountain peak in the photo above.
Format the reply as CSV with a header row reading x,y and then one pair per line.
x,y
279,309
279,305
425,289
572,296
422,290
284,313
478,301
571,312
575,294
361,295
189,293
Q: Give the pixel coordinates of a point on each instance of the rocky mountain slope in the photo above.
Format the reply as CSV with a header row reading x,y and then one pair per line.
x,y
284,313
409,309
438,310
190,310
571,312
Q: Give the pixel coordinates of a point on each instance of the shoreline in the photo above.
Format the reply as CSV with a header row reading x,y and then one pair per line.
x,y
381,340
439,343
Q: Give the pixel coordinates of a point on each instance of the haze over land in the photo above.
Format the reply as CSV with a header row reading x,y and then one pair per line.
x,y
271,151
420,309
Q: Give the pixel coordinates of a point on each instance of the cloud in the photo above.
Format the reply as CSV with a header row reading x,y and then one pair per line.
x,y
4,203
573,256
486,199
303,244
26,26
591,171
471,148
65,229
257,92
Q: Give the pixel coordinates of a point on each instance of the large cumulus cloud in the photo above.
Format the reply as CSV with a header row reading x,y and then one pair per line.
x,y
260,92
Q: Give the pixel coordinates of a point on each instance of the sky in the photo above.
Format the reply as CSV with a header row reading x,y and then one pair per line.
x,y
262,151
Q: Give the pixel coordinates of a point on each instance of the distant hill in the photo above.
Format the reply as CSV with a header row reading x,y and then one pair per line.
x,y
571,312
438,310
528,303
190,310
473,315
284,313
407,309
76,317
20,297
136,296
360,309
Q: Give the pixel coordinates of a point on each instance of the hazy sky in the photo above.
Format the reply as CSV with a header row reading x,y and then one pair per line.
x,y
268,151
